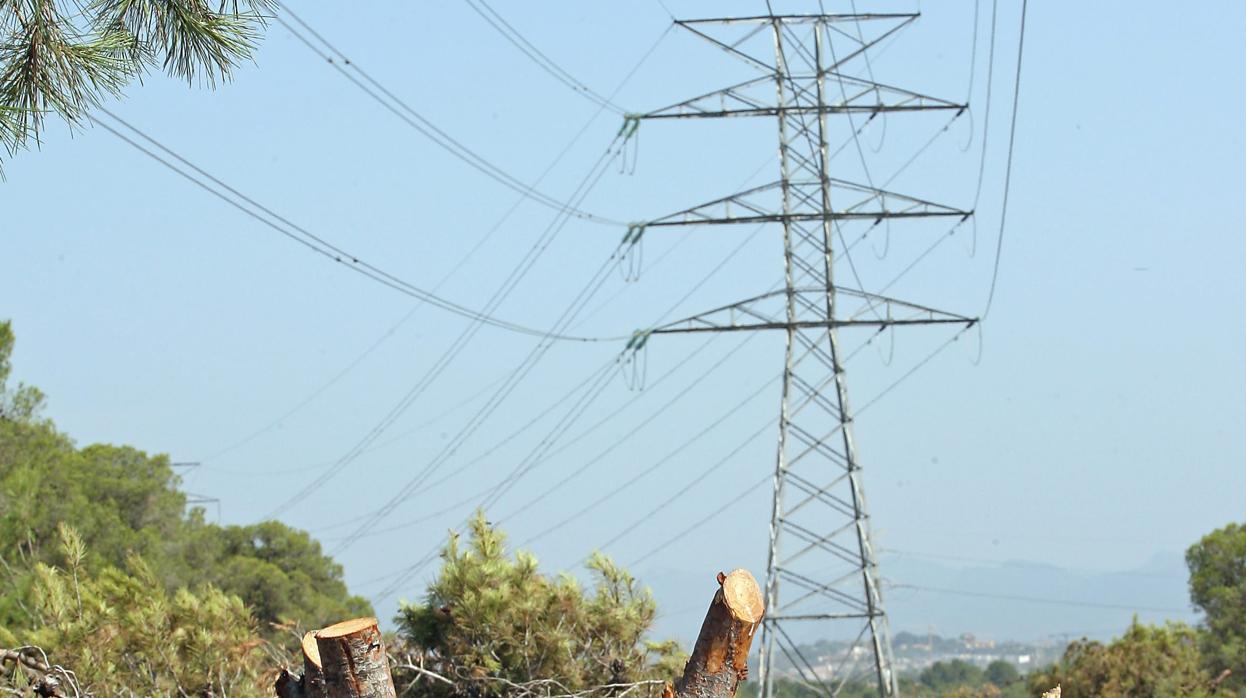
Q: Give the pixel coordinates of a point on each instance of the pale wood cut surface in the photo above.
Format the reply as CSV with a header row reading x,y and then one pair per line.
x,y
353,660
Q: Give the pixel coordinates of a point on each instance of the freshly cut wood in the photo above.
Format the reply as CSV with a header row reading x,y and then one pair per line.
x,y
353,662
313,675
719,660
311,683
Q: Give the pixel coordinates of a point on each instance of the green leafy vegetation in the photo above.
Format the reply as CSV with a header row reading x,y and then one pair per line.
x,y
1146,662
491,619
123,633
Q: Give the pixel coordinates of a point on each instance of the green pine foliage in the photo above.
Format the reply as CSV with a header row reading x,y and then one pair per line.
x,y
122,633
62,57
491,619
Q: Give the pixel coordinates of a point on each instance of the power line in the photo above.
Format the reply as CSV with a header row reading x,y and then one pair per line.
x,y
517,376
439,367
500,489
973,51
516,39
408,572
698,479
649,419
618,489
388,507
1003,562
423,560
560,220
699,522
986,122
533,460
443,413
306,238
559,401
1012,135
529,506
1038,599
417,121
458,265
410,313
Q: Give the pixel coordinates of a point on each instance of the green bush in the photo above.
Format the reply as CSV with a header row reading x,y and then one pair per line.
x,y
490,619
123,634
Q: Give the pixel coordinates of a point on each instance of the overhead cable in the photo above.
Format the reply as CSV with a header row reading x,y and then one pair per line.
x,y
417,121
446,277
306,238
512,35
1012,136
556,225
445,360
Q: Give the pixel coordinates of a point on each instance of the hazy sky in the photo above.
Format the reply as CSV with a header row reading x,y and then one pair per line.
x,y
1098,432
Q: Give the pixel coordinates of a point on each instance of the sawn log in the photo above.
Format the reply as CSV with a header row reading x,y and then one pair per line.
x,y
719,660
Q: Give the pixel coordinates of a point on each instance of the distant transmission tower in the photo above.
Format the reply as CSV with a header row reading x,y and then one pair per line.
x,y
821,555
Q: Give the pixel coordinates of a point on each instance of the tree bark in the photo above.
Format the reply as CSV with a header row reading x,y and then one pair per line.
x,y
719,660
353,660
311,683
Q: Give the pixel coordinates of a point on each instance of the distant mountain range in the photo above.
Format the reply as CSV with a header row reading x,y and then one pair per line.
x,y
1022,601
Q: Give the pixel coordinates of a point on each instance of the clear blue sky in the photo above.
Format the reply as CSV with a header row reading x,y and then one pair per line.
x,y
1100,431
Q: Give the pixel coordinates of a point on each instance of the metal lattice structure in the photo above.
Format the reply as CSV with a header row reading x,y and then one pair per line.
x,y
821,556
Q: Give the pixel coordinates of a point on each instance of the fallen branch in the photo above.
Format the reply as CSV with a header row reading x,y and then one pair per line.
x,y
51,680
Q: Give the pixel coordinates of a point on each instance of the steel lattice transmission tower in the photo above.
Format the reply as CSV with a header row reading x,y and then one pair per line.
x,y
822,566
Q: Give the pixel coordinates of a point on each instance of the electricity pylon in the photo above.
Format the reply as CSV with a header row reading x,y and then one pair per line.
x,y
819,543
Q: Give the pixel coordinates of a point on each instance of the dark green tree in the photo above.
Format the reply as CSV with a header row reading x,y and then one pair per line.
x,y
942,676
1218,587
1001,673
490,618
281,572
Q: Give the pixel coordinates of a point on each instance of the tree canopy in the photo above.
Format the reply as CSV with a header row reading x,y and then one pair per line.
x,y
124,502
1218,588
1146,662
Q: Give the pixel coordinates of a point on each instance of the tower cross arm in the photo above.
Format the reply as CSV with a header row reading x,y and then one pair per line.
x,y
766,312
762,204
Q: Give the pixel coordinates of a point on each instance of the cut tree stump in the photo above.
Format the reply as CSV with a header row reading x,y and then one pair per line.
x,y
719,660
346,660
353,660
